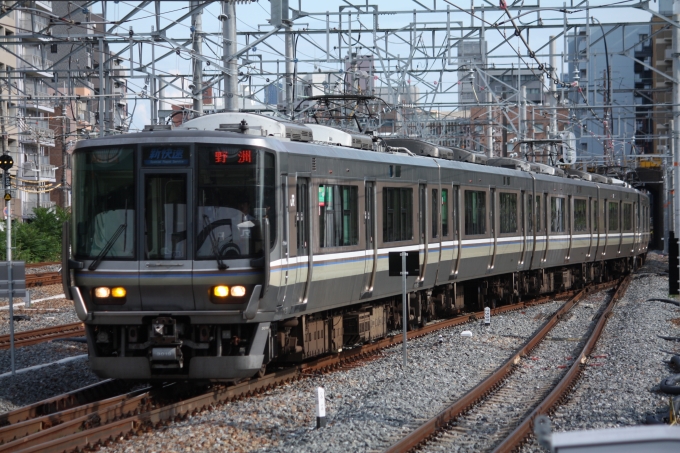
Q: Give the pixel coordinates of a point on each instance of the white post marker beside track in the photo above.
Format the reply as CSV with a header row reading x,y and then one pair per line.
x,y
320,408
404,264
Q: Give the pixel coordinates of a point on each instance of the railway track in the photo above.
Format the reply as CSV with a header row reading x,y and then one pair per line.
x,y
31,337
35,265
42,279
95,423
500,390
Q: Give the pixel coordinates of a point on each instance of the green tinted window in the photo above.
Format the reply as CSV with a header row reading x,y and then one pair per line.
x,y
338,215
475,212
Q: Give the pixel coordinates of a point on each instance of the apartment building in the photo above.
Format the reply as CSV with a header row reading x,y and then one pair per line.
x,y
8,63
614,86
28,102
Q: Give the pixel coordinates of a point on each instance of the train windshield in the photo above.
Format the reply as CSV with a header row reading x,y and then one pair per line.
x,y
104,204
236,187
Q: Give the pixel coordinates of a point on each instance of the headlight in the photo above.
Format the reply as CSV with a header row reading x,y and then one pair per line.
x,y
238,291
221,291
118,292
102,292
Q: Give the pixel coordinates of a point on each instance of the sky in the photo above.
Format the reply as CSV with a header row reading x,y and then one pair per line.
x,y
254,16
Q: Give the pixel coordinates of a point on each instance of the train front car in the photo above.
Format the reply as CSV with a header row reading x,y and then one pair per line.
x,y
169,253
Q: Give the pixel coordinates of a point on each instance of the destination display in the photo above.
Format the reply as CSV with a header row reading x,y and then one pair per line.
x,y
232,156
165,156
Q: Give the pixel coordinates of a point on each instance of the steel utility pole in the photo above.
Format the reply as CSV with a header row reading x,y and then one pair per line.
x,y
676,119
64,152
668,176
5,137
489,128
229,42
197,35
6,163
522,118
552,95
290,66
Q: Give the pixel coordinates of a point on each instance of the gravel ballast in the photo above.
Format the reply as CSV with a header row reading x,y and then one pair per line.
x,y
370,406
52,311
36,385
488,423
620,384
367,407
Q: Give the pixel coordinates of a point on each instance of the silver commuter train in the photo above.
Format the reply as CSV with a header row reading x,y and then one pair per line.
x,y
167,262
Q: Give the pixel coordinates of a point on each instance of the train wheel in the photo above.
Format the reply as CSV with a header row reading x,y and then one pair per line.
x,y
262,371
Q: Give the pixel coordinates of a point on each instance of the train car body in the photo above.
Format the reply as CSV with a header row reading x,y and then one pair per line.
x,y
207,254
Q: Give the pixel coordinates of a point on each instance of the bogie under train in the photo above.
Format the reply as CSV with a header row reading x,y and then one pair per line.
x,y
237,241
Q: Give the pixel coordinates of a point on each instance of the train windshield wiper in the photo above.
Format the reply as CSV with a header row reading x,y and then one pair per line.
x,y
213,241
112,240
108,245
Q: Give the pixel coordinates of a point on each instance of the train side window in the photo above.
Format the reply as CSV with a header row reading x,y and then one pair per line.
x,y
580,215
627,217
397,214
445,212
435,213
539,228
475,212
596,217
508,218
338,215
613,216
530,213
557,215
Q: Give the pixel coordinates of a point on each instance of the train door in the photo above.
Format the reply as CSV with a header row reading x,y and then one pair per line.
x,y
597,225
492,222
533,220
457,230
422,227
166,268
570,226
285,269
371,250
592,226
605,228
546,225
435,232
636,232
303,236
620,216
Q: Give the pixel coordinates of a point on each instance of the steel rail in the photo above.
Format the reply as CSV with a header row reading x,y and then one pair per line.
x,y
32,433
335,360
31,337
439,421
46,278
519,434
89,430
80,427
84,395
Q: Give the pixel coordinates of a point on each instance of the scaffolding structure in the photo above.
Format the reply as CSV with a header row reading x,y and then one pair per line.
x,y
486,76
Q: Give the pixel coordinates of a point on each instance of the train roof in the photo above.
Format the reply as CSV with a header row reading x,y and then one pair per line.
x,y
274,132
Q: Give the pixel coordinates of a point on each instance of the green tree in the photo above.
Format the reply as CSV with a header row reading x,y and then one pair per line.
x,y
39,238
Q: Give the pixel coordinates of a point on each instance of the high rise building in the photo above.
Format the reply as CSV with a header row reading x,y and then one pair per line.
x,y
613,96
